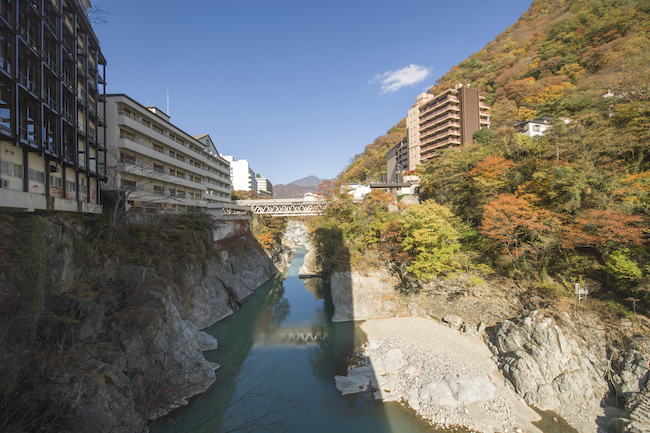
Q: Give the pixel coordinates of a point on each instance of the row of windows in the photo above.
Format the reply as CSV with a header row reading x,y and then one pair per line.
x,y
11,169
127,135
16,170
122,109
158,168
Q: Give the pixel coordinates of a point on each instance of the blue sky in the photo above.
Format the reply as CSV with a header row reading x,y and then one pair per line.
x,y
296,87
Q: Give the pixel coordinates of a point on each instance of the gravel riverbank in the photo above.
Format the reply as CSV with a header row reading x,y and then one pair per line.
x,y
447,377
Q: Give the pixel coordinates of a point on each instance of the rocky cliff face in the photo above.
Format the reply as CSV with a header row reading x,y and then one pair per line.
x,y
555,361
129,340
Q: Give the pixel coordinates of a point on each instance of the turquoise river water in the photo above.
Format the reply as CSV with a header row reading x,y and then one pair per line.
x,y
278,355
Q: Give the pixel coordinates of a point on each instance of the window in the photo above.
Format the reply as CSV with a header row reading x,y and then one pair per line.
x,y
160,190
11,169
36,176
128,184
70,185
158,168
158,148
56,181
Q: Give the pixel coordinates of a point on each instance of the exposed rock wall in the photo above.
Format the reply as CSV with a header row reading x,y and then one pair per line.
x,y
358,296
554,361
139,344
215,288
551,367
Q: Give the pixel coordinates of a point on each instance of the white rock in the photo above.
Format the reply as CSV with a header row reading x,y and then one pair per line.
x,y
351,384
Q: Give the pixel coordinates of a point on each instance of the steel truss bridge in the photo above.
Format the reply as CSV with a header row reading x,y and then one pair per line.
x,y
286,206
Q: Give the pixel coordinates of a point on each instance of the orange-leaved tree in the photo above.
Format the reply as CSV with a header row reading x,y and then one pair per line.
x,y
517,226
604,230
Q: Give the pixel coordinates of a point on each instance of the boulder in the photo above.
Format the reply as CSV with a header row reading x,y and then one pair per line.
x,y
546,367
311,267
351,384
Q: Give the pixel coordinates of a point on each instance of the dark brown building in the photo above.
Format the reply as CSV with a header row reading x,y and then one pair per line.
x,y
52,127
451,118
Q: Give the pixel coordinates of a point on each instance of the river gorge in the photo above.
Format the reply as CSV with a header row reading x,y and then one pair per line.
x,y
220,335
279,355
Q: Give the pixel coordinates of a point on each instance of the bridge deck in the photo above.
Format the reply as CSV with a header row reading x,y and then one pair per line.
x,y
286,207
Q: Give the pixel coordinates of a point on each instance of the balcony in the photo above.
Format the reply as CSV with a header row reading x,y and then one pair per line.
x,y
448,142
437,121
28,133
5,13
51,102
431,114
27,83
439,132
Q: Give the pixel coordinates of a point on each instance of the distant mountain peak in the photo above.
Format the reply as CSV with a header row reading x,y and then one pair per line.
x,y
307,181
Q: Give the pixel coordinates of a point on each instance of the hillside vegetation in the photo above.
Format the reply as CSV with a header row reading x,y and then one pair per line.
x,y
371,164
560,58
570,207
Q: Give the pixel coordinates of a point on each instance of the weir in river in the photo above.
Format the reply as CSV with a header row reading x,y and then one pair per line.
x,y
278,355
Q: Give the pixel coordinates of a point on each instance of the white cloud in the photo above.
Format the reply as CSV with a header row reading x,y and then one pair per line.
x,y
395,80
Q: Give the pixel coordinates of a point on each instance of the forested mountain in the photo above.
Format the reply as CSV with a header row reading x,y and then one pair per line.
x,y
560,58
572,206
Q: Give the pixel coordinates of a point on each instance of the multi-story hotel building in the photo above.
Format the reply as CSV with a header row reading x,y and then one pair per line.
x,y
157,168
52,152
264,186
451,118
242,176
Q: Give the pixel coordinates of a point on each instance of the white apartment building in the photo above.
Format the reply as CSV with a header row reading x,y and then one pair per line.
x,y
535,127
242,176
156,167
264,186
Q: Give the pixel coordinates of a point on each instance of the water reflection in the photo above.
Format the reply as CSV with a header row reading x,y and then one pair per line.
x,y
279,355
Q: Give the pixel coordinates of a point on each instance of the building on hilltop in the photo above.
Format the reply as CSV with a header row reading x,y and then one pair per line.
x,y
155,167
52,142
450,119
242,176
435,122
535,127
264,186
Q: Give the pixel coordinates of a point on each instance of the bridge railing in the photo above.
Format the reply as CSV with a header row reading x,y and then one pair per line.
x,y
286,207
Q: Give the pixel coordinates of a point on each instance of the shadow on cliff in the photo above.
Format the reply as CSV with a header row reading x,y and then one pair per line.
x,y
341,347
